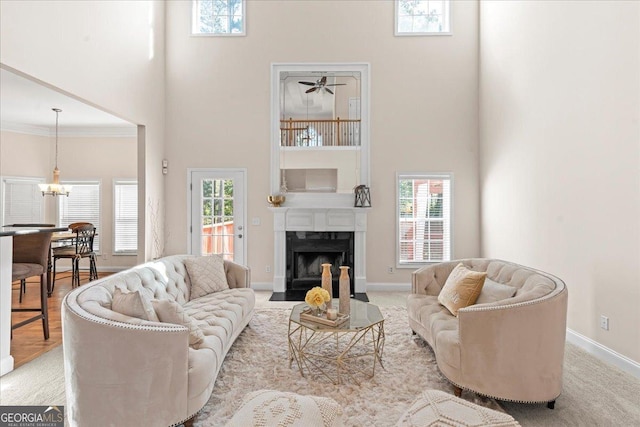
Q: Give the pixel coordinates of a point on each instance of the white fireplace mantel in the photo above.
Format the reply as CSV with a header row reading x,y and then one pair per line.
x,y
319,219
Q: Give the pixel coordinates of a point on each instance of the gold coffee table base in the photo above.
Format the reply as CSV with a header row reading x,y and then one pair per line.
x,y
344,353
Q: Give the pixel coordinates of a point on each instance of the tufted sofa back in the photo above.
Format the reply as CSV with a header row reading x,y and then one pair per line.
x,y
530,283
164,279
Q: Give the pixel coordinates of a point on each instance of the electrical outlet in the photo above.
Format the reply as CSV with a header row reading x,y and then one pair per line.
x,y
604,322
390,270
267,269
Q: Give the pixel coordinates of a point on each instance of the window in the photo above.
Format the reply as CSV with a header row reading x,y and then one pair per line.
x,y
424,218
82,205
423,17
218,17
22,201
125,204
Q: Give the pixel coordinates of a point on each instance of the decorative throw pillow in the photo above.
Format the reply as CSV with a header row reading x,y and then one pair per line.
x,y
171,312
461,288
207,275
494,291
133,304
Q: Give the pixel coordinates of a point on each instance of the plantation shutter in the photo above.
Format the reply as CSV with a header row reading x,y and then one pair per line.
x,y
82,205
23,201
125,217
424,218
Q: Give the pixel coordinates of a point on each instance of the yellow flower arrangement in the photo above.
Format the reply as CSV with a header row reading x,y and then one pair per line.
x,y
317,296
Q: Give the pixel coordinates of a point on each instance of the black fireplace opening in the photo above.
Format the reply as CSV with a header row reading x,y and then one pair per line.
x,y
306,251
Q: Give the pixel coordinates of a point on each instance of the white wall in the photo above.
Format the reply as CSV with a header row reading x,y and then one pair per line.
x,y
79,158
560,153
109,53
424,110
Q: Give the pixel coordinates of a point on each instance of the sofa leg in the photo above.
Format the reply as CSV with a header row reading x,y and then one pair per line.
x,y
413,332
457,391
551,404
189,422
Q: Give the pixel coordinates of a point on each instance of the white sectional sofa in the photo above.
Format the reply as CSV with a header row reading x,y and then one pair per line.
x,y
127,371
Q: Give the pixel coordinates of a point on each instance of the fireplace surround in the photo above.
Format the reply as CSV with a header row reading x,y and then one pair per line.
x,y
335,235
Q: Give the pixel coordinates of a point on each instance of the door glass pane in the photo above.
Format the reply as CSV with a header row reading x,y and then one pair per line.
x,y
217,228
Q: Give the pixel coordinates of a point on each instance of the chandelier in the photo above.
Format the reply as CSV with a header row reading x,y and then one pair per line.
x,y
54,188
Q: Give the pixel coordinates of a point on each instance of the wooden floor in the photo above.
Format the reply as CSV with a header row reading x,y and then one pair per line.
x,y
28,341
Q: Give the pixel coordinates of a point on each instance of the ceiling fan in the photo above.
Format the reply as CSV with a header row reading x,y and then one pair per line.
x,y
320,85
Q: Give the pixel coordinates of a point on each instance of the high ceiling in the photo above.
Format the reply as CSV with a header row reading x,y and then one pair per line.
x,y
25,106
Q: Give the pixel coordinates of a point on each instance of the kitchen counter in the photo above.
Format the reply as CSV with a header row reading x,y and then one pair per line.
x,y
6,259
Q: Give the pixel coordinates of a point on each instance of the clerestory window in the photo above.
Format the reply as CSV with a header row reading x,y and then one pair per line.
x,y
218,18
423,17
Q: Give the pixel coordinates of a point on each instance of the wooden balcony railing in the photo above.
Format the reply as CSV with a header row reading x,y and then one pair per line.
x,y
319,133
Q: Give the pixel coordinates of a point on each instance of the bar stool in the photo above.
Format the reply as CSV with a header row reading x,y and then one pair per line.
x,y
30,257
23,282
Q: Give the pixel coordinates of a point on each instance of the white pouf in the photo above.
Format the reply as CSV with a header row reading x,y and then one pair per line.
x,y
435,407
266,408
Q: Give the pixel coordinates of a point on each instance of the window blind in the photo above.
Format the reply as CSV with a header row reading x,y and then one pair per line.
x,y
82,205
125,217
424,218
22,201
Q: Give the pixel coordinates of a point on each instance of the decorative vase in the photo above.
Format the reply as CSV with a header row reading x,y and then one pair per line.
x,y
327,282
345,290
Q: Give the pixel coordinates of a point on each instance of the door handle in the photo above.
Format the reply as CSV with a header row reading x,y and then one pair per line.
x,y
239,236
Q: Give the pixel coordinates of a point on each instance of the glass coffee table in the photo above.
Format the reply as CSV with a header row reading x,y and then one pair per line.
x,y
349,351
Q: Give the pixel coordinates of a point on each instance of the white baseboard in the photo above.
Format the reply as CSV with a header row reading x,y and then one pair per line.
x,y
262,286
382,287
112,269
388,287
604,353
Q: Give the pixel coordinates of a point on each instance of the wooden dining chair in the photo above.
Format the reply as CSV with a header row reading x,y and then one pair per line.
x,y
82,247
30,257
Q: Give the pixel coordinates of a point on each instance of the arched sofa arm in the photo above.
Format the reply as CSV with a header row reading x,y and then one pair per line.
x,y
238,276
514,352
126,363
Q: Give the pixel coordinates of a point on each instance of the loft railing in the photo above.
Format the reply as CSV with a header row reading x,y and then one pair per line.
x,y
319,133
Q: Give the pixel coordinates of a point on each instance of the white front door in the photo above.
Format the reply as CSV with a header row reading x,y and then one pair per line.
x,y
217,219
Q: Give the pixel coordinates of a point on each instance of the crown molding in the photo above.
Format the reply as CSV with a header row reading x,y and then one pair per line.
x,y
72,132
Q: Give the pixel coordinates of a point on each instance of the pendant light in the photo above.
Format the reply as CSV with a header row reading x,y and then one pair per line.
x,y
55,188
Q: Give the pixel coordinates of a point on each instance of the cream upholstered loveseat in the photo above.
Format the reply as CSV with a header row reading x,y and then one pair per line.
x,y
509,349
125,371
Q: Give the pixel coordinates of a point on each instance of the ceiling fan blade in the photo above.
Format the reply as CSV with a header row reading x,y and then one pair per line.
x,y
328,90
307,83
313,89
323,81
337,84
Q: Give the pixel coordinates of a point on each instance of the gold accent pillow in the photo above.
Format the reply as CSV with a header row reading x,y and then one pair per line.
x,y
171,312
461,288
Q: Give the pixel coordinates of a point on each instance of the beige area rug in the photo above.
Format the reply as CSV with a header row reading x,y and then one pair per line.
x,y
39,382
259,359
